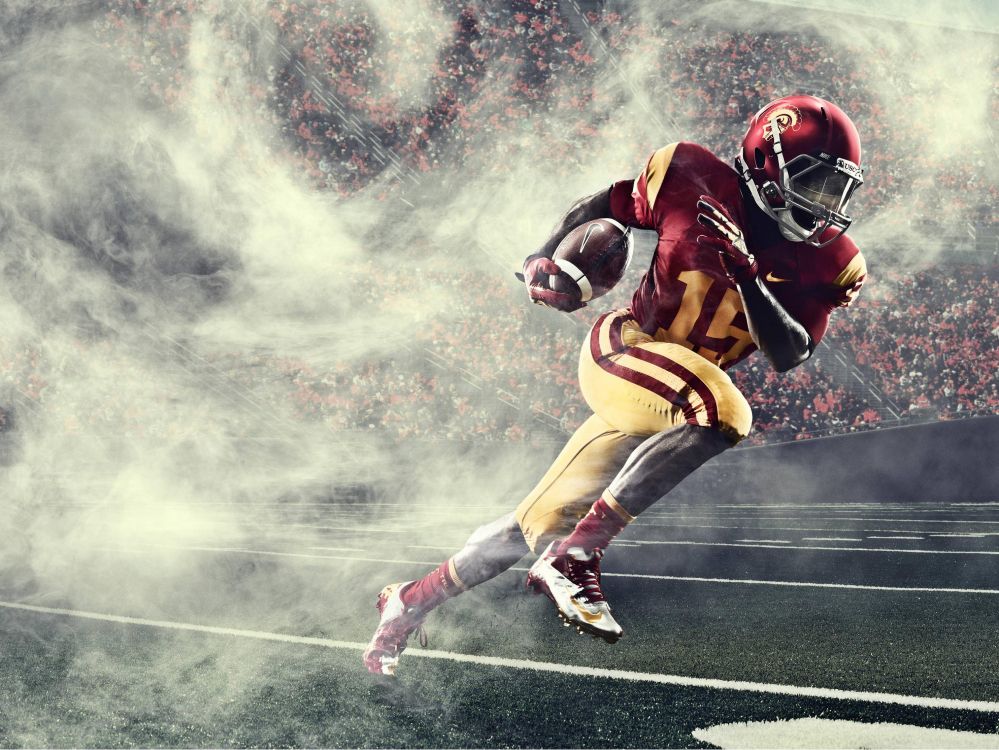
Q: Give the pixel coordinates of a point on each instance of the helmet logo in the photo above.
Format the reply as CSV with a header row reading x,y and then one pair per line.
x,y
786,117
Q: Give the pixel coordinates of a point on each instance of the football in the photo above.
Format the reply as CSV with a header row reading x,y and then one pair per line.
x,y
593,258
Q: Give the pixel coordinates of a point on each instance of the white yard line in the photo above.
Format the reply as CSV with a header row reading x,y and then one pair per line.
x,y
797,691
743,527
684,516
804,584
913,538
406,525
833,506
646,576
337,549
830,539
757,541
832,549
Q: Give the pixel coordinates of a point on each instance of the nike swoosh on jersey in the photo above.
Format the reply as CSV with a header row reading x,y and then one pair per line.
x,y
774,279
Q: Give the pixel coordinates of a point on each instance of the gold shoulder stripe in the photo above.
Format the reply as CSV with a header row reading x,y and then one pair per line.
x,y
855,270
655,172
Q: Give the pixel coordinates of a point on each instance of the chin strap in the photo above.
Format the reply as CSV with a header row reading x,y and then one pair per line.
x,y
778,147
743,170
786,232
789,229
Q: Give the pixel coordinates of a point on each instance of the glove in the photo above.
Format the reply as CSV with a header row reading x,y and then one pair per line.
x,y
538,272
738,262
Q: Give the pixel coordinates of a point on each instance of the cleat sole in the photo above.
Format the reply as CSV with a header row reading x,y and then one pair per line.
x,y
583,628
537,587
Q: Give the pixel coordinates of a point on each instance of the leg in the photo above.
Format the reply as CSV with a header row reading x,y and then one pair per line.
x,y
489,551
690,412
588,462
662,462
403,607
592,457
700,412
653,469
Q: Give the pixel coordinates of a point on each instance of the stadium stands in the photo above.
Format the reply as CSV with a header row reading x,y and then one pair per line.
x,y
920,342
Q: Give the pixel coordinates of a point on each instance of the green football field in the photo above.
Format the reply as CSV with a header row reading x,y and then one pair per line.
x,y
732,613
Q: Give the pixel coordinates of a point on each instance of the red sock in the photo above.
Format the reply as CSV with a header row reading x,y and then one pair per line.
x,y
595,530
435,587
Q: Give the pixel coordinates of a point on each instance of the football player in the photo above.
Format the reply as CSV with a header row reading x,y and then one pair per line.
x,y
754,257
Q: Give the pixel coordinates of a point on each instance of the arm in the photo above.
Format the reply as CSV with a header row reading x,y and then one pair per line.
x,y
782,339
778,334
539,266
627,201
594,206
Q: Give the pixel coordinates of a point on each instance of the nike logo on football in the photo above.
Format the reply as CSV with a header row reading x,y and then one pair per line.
x,y
594,227
774,279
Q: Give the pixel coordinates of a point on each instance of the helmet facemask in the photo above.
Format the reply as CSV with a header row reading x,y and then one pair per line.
x,y
815,193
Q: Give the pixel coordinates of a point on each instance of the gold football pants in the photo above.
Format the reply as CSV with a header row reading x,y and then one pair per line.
x,y
636,386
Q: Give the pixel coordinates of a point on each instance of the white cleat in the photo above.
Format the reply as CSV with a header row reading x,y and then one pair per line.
x,y
397,623
572,582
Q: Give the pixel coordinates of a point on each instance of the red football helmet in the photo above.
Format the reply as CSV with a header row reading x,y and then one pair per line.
x,y
800,160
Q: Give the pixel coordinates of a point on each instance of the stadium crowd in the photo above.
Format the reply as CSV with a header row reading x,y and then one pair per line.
x,y
931,340
928,345
338,101
341,91
341,95
927,366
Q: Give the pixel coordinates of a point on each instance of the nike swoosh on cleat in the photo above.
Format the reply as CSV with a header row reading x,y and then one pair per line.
x,y
590,617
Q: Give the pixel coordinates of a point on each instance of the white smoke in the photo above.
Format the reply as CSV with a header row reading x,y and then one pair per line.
x,y
158,259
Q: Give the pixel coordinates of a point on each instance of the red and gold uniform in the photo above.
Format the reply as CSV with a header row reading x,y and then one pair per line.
x,y
686,297
661,363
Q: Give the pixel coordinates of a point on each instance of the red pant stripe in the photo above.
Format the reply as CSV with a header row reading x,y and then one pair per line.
x,y
616,341
614,331
595,351
657,387
651,384
698,385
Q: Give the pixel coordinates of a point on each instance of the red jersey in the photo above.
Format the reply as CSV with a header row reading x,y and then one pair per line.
x,y
685,297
